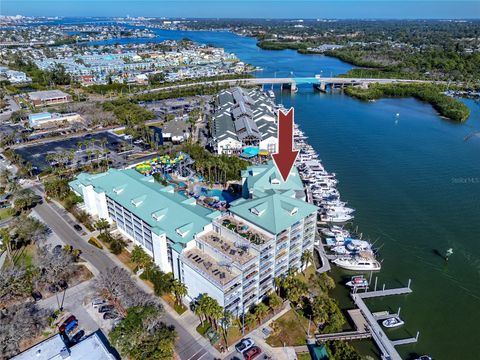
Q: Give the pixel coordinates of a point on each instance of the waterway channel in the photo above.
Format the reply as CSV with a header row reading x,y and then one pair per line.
x,y
414,181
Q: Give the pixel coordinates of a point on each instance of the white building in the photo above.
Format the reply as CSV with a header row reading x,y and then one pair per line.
x,y
233,256
54,348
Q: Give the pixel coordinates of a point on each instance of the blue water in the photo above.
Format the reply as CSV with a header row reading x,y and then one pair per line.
x,y
415,183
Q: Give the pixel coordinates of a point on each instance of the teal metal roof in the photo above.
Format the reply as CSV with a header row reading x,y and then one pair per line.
x,y
261,178
273,213
159,206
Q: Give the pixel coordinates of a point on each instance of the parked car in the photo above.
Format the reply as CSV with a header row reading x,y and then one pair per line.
x,y
62,327
77,227
105,308
36,295
252,353
98,302
110,315
71,327
78,336
244,345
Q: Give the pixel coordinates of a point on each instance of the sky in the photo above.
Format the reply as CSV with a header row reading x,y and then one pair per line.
x,y
340,9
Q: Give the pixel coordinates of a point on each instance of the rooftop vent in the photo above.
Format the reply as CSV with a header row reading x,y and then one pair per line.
x,y
138,201
259,209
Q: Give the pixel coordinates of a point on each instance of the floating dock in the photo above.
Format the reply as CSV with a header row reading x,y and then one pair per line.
x,y
386,346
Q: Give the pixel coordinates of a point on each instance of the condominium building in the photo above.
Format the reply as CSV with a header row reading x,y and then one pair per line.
x,y
233,256
243,118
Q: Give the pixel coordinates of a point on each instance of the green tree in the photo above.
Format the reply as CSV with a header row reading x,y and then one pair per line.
x,y
260,311
274,301
142,335
140,258
179,290
102,225
306,259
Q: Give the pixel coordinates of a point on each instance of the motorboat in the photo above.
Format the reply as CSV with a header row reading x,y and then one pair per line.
x,y
271,94
338,218
393,322
360,262
358,282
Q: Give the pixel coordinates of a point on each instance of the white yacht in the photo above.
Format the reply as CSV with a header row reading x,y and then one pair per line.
x,y
358,263
339,218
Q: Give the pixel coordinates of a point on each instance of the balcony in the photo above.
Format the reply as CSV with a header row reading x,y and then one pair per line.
x,y
244,230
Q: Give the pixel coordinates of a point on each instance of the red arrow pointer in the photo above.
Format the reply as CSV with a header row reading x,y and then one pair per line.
x,y
285,157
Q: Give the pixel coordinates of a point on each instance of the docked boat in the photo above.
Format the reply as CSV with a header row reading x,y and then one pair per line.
x,y
271,94
358,282
338,218
360,262
393,322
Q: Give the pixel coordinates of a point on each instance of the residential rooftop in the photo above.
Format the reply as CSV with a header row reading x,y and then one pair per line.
x,y
166,211
235,251
260,179
222,273
273,213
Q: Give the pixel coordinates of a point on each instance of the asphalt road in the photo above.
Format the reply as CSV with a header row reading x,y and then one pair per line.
x,y
187,347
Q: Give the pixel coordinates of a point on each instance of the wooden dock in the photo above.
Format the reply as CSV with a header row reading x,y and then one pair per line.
x,y
344,335
387,292
386,346
323,258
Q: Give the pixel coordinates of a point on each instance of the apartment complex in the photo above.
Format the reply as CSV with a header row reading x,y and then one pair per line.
x,y
243,118
233,256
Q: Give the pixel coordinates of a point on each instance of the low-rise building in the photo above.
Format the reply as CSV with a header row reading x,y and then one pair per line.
x,y
54,348
47,118
48,97
233,256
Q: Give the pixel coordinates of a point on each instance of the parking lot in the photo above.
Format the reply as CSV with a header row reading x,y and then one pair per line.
x,y
37,154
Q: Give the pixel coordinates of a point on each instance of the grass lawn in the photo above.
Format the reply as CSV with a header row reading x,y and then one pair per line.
x,y
5,213
290,329
304,356
202,330
180,309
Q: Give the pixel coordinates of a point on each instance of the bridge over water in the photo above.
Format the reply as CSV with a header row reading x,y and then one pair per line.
x,y
320,83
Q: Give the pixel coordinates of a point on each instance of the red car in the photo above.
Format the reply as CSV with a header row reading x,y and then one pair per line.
x,y
62,327
252,353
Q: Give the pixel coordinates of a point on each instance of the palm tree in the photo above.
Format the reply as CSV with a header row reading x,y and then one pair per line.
x,y
306,259
250,320
274,301
6,242
102,225
179,290
260,311
139,257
